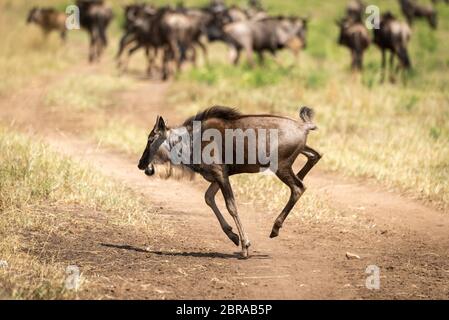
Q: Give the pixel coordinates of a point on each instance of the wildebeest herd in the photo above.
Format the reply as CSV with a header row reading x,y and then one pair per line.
x,y
175,33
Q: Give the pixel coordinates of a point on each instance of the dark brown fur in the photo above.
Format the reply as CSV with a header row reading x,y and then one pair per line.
x,y
95,17
393,36
354,35
413,10
291,142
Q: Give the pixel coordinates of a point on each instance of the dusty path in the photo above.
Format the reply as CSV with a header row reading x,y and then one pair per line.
x,y
406,239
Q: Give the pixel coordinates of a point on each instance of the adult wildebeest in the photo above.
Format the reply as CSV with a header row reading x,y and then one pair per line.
x,y
412,9
188,28
178,29
49,19
138,34
270,34
290,141
355,36
134,11
95,17
355,10
393,36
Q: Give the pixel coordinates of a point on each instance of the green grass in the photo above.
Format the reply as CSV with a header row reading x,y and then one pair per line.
x,y
80,92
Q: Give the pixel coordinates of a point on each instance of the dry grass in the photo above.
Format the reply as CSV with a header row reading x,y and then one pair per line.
x,y
79,92
122,136
36,185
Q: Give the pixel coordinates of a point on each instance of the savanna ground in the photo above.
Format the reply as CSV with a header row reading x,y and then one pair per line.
x,y
70,192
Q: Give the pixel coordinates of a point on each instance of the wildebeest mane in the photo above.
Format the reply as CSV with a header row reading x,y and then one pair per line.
x,y
216,112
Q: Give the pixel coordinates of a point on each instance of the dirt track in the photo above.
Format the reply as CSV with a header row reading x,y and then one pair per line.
x,y
406,239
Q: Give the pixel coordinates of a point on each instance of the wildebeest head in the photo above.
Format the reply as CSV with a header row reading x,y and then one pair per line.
x,y
33,15
136,11
292,32
301,24
155,139
355,9
214,27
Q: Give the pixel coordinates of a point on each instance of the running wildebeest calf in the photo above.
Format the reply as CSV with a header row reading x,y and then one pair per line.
x,y
49,20
411,10
291,141
95,17
355,36
393,36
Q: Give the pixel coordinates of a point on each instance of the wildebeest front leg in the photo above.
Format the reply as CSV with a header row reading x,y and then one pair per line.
x,y
204,50
63,35
167,55
296,190
131,51
126,40
92,48
353,60
210,200
228,195
391,68
234,55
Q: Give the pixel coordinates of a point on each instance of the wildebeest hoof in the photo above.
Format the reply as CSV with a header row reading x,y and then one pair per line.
x,y
244,255
274,233
234,238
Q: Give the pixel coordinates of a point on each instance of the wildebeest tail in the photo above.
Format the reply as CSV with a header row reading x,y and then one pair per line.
x,y
306,114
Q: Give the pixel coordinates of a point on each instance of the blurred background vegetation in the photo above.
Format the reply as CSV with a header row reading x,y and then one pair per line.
x,y
397,134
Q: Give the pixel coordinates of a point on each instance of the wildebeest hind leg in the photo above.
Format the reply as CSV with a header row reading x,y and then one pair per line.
x,y
296,190
210,200
234,55
204,50
312,159
92,48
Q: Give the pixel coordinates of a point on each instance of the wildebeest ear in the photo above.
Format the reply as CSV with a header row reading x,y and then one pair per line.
x,y
156,123
161,123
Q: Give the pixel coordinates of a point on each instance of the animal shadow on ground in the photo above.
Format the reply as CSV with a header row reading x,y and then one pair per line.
x,y
218,255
